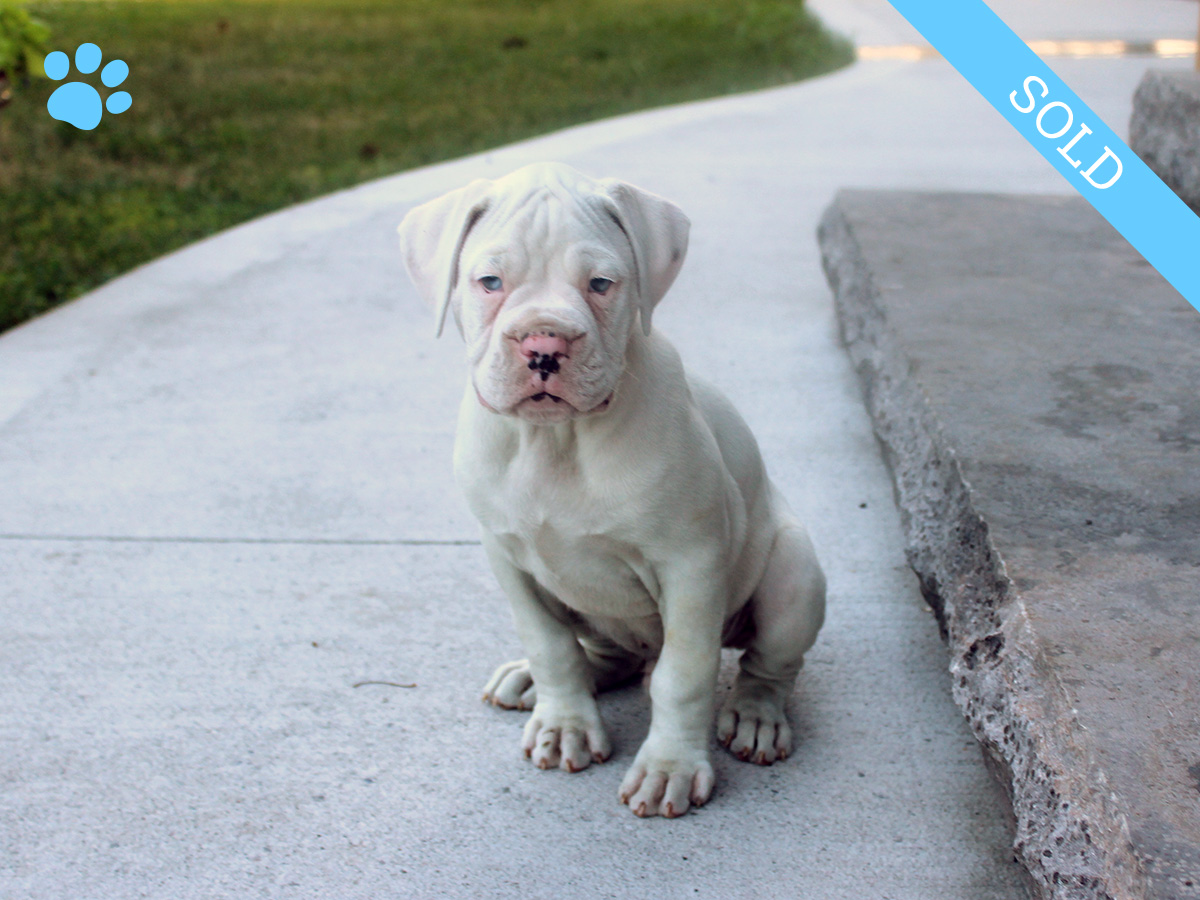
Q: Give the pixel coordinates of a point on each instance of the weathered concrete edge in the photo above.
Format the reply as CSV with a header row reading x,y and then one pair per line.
x,y
1164,130
1070,832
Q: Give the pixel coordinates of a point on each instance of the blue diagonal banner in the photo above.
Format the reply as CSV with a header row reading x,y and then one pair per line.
x,y
1068,134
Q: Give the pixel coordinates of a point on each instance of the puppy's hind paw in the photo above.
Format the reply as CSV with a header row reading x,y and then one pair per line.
x,y
755,731
511,686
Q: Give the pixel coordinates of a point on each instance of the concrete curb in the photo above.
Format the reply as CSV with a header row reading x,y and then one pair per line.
x,y
1164,130
1072,834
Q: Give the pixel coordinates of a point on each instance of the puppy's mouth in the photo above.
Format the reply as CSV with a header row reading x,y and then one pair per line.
x,y
544,406
546,400
555,407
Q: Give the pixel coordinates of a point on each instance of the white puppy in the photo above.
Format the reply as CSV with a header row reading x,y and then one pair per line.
x,y
624,504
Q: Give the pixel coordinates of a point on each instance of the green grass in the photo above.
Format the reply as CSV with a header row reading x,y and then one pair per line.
x,y
244,106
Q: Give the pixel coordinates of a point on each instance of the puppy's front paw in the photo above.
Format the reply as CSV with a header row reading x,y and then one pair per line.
x,y
566,735
754,728
668,781
511,686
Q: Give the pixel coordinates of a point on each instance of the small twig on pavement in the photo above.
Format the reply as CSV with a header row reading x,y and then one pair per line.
x,y
388,683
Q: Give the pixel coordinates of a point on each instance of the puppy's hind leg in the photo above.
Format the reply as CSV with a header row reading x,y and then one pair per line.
x,y
612,665
788,609
511,685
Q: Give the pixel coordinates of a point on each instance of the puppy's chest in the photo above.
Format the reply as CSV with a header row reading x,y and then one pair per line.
x,y
579,544
590,573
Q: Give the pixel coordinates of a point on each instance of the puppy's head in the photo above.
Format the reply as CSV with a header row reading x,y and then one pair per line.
x,y
547,273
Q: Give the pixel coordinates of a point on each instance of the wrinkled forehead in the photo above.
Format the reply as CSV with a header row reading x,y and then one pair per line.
x,y
548,222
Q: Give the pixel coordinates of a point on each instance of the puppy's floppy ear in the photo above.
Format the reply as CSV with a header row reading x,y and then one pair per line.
x,y
432,237
658,231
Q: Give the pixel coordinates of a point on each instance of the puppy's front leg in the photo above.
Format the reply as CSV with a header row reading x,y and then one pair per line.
x,y
672,770
565,729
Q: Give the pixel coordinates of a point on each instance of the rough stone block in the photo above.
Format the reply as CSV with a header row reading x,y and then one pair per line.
x,y
1034,383
1165,130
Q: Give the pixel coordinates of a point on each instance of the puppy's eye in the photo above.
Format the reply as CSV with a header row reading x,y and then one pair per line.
x,y
599,285
491,283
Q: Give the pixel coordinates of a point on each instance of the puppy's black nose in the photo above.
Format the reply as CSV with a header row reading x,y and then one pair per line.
x,y
546,363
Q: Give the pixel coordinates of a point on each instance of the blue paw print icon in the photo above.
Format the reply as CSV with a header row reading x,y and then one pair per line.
x,y
79,103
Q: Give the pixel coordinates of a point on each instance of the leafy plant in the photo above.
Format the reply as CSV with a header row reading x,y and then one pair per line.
x,y
22,46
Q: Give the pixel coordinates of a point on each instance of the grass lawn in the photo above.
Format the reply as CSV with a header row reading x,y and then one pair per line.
x,y
243,106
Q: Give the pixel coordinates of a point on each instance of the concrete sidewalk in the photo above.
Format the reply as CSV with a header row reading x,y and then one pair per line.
x,y
227,501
